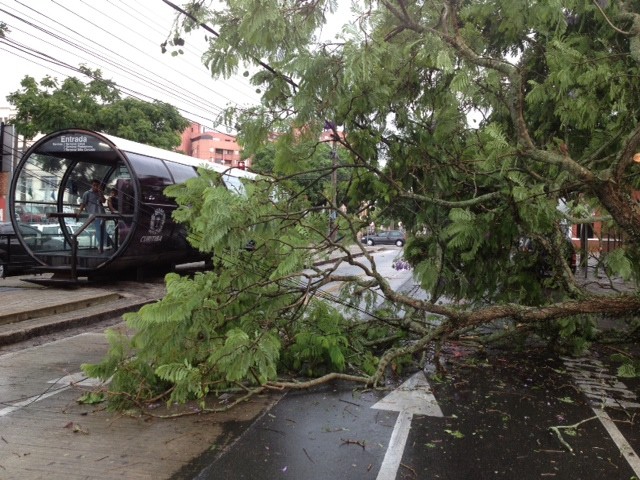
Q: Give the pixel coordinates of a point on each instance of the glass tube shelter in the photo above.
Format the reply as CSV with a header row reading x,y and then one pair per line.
x,y
47,188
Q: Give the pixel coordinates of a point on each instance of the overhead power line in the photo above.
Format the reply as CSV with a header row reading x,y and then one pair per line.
x,y
188,93
139,76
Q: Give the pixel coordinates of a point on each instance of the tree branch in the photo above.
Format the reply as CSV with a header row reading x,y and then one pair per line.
x,y
445,203
264,65
626,156
595,2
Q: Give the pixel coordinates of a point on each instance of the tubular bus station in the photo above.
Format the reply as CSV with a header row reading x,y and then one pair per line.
x,y
46,191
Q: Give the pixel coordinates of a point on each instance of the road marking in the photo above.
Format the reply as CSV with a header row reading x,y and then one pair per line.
x,y
36,398
605,390
601,388
77,379
65,383
413,397
625,449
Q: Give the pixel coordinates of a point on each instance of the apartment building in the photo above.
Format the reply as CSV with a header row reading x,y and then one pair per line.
x,y
216,147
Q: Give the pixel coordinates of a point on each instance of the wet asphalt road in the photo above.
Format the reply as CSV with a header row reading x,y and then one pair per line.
x,y
330,433
498,417
498,413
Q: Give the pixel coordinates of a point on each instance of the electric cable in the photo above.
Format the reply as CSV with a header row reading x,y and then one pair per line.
x,y
184,59
133,46
188,115
197,100
133,75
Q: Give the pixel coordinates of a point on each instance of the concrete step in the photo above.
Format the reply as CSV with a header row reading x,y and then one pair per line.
x,y
108,306
20,305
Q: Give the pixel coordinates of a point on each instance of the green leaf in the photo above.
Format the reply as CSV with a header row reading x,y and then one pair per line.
x,y
627,370
443,61
455,433
91,398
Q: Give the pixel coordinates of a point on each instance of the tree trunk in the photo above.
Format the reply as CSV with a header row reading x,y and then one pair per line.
x,y
622,207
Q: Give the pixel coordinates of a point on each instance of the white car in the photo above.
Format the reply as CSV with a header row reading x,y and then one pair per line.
x,y
85,239
49,231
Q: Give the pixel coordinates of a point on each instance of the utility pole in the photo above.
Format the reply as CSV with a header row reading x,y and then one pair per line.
x,y
334,190
8,149
7,137
333,214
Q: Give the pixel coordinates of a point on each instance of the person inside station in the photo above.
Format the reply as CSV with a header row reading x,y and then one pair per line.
x,y
112,205
112,200
93,202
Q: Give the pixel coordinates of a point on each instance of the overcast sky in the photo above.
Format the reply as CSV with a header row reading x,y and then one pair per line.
x,y
122,38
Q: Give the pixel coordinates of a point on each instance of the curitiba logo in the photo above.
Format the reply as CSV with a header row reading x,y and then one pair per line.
x,y
157,221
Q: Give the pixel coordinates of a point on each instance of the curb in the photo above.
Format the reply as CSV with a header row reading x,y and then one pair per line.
x,y
59,308
27,329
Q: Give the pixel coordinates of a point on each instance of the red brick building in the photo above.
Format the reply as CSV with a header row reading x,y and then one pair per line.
x,y
216,147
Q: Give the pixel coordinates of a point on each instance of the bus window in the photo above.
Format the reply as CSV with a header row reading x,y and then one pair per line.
x,y
153,176
181,173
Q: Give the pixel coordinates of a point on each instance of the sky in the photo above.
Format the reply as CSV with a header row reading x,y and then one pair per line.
x,y
122,38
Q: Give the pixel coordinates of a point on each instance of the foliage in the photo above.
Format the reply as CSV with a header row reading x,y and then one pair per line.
x,y
629,366
230,325
479,124
319,343
573,335
131,377
49,105
91,398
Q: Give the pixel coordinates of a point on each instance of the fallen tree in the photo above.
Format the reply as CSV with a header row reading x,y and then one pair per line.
x,y
477,124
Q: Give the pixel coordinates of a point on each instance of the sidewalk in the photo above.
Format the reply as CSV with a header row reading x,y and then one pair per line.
x,y
28,310
46,433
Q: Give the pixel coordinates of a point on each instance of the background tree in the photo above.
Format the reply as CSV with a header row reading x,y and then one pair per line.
x,y
48,105
479,119
312,175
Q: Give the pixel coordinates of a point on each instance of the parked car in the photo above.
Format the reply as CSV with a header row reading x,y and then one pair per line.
x,y
50,230
13,257
389,237
86,239
28,213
